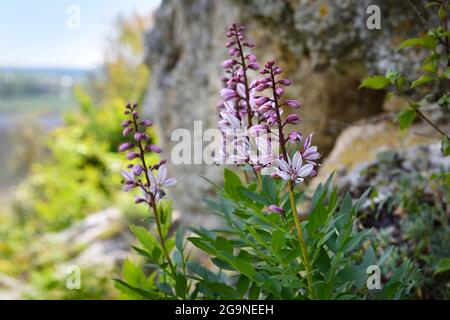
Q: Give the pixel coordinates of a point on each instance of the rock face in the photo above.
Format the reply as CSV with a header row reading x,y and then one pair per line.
x,y
324,47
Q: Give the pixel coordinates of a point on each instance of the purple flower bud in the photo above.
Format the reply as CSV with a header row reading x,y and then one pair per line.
x,y
230,43
284,82
248,44
138,136
125,146
293,118
313,173
229,34
154,148
292,103
228,63
126,123
162,162
295,137
132,155
258,128
137,170
254,66
227,94
128,106
126,112
251,57
261,87
279,91
146,123
264,108
138,200
240,89
135,114
269,64
261,100
233,51
277,70
127,131
275,209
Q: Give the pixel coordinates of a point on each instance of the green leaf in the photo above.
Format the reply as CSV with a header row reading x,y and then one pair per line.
x,y
232,181
278,241
375,82
243,266
445,147
270,188
446,73
259,199
144,293
427,41
202,271
181,286
385,255
202,245
223,244
144,237
254,292
442,266
406,118
242,285
179,239
422,80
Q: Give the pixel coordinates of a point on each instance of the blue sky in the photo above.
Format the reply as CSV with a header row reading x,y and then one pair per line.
x,y
35,33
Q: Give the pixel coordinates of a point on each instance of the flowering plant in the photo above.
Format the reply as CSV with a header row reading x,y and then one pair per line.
x,y
267,248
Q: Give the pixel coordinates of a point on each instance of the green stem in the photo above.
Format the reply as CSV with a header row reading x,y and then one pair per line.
x,y
301,240
161,238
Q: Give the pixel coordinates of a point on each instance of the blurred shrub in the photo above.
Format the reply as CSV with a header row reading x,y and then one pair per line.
x,y
76,178
414,220
76,175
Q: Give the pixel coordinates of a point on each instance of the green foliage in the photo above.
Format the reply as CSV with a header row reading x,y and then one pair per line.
x,y
256,255
413,220
79,174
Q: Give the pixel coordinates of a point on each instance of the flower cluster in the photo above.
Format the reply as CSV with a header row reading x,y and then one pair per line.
x,y
267,114
151,180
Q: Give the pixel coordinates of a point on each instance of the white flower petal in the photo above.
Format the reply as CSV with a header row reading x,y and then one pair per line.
x,y
305,170
170,182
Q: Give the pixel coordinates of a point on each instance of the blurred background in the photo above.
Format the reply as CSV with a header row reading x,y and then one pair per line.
x,y
67,69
